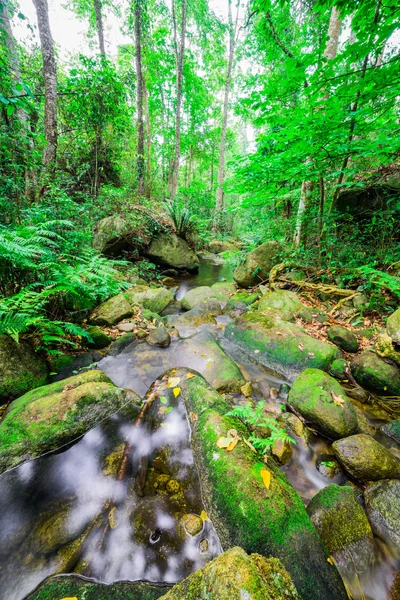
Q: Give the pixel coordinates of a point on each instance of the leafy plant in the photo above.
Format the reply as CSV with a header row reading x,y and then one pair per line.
x,y
181,216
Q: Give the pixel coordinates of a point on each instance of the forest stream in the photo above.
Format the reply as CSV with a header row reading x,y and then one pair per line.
x,y
124,503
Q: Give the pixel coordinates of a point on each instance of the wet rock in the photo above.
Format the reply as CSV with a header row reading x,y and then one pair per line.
x,y
159,337
114,234
257,264
121,343
21,368
279,345
243,510
328,466
213,307
342,337
321,401
247,389
111,312
290,421
233,308
287,303
50,416
193,524
196,297
384,347
282,451
393,326
376,375
339,369
247,298
365,458
392,430
189,321
154,318
141,334
219,246
236,576
382,503
169,249
68,365
126,327
154,299
99,337
344,528
223,290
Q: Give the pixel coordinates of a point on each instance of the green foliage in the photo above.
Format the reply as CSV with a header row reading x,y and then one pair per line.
x,y
181,216
255,417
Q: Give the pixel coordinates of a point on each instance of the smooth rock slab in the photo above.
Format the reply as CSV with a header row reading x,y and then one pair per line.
x,y
366,459
382,503
322,402
21,368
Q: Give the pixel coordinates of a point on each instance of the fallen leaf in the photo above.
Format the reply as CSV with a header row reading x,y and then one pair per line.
x,y
330,560
337,399
193,417
176,391
162,410
279,333
190,376
311,355
249,445
203,354
173,382
232,445
208,365
256,351
74,598
273,393
232,433
300,346
223,442
163,400
266,477
204,515
112,518
174,371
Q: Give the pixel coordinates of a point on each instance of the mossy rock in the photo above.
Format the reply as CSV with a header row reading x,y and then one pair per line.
x,y
375,374
344,528
342,337
223,290
111,312
115,233
234,308
188,322
236,576
322,401
219,246
196,297
154,299
48,417
21,368
170,249
286,302
393,326
159,337
366,459
247,298
339,369
270,521
279,345
99,337
257,264
382,503
392,430
121,343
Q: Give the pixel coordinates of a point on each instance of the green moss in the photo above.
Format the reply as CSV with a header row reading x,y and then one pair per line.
x,y
99,338
21,369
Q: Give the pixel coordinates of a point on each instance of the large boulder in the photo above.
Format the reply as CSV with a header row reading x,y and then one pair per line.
x,y
321,400
375,374
114,234
342,337
170,249
154,299
21,368
286,302
111,312
219,246
382,503
366,459
279,345
252,504
344,529
257,264
393,326
197,297
236,576
48,417
99,338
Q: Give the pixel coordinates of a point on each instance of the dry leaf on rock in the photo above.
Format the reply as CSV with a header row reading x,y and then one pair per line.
x,y
266,477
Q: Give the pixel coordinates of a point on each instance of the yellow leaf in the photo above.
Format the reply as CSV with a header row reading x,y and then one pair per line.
x,y
249,445
203,354
176,391
74,598
193,416
232,433
112,519
266,477
173,382
337,399
204,515
174,371
330,560
232,445
208,365
190,376
223,442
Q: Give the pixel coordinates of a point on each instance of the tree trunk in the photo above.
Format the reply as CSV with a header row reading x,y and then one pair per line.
x,y
179,58
330,52
50,83
99,25
139,99
219,201
148,137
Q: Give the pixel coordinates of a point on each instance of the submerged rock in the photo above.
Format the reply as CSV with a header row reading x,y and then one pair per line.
x,y
322,401
393,326
382,503
287,303
111,312
344,528
48,417
257,264
99,337
189,321
21,368
342,337
170,249
365,458
154,299
279,345
121,343
375,374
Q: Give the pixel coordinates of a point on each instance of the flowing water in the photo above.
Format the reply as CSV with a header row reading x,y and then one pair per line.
x,y
86,510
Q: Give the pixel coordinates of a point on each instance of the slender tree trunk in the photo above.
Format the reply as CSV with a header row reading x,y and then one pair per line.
x,y
330,52
99,26
219,200
50,83
148,137
179,59
139,99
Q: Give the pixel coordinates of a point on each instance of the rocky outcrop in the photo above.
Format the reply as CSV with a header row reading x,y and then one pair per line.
x,y
21,368
114,234
375,374
257,264
111,312
286,302
154,299
48,417
322,402
382,503
366,459
169,249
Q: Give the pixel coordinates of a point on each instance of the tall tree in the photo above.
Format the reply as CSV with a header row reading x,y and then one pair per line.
x,y
179,48
99,26
219,202
50,82
139,97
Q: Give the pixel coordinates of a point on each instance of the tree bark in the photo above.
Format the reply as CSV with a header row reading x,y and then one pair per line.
x,y
219,200
99,25
139,99
179,60
50,83
148,137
